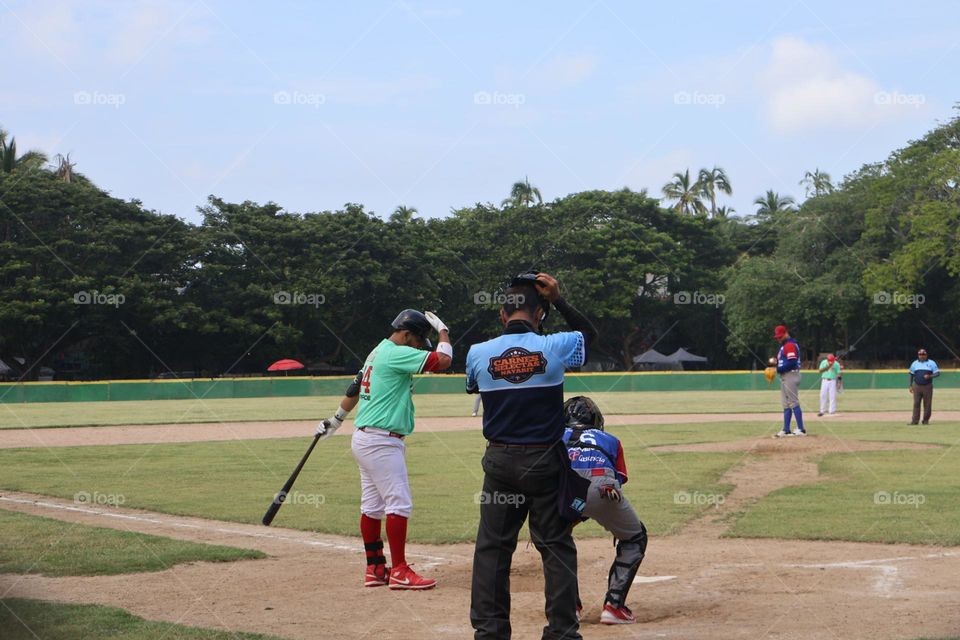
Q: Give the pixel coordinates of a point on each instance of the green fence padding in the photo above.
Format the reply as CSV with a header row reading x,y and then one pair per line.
x,y
120,390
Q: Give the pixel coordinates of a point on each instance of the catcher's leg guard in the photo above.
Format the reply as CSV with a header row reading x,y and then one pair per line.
x,y
629,556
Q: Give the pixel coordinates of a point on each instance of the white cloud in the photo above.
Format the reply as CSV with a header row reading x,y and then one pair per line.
x,y
804,87
368,91
567,71
98,32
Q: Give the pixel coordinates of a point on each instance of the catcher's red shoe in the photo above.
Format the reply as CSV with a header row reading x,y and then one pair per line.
x,y
616,615
378,575
403,577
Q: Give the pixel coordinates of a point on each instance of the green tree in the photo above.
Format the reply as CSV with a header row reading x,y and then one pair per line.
x,y
711,181
10,161
87,276
523,194
686,194
816,183
772,203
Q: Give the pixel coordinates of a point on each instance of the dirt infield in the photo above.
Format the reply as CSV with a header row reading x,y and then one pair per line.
x,y
692,585
164,433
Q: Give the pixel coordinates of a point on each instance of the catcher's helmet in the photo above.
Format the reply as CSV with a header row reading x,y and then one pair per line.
x,y
415,322
580,412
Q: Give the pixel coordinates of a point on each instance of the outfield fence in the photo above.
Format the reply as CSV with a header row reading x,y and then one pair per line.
x,y
119,390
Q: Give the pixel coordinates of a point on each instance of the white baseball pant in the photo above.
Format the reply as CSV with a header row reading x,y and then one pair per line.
x,y
828,393
384,486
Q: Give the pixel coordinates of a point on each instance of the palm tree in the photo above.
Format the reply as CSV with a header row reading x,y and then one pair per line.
x,y
403,213
724,212
772,203
686,194
9,162
817,182
712,181
523,194
65,167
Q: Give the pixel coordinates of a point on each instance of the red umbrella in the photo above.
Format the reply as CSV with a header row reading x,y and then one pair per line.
x,y
285,365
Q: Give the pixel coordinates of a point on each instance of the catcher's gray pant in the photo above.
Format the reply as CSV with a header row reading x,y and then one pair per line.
x,y
621,520
790,389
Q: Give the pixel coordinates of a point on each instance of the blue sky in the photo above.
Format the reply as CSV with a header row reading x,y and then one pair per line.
x,y
440,105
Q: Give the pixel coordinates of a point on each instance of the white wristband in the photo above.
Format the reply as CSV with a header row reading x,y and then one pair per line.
x,y
340,415
446,349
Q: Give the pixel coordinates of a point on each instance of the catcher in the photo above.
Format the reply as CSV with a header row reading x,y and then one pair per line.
x,y
598,456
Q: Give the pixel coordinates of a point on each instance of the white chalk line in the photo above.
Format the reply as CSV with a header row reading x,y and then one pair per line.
x,y
651,579
433,560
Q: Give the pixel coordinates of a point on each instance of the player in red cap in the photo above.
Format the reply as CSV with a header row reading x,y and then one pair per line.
x,y
788,366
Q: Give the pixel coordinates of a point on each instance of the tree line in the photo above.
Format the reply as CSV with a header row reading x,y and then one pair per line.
x,y
93,286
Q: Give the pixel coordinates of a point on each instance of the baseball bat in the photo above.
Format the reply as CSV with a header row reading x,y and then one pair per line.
x,y
279,499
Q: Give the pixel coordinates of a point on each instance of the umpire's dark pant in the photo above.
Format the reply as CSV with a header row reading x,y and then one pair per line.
x,y
922,393
519,482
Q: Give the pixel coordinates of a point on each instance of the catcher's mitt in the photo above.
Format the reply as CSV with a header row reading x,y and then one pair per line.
x,y
770,373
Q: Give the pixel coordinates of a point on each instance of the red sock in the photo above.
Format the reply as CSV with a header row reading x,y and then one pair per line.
x,y
370,532
397,536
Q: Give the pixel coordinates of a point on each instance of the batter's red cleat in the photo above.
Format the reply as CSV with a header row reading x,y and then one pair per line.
x,y
616,615
378,575
403,577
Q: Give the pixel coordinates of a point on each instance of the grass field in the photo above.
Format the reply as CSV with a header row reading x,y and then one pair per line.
x,y
32,544
236,480
22,619
63,414
879,496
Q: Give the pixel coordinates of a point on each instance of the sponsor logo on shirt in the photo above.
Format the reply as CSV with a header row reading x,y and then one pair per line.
x,y
517,365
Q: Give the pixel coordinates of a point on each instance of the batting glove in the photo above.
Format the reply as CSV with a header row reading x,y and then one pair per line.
x,y
435,322
610,492
328,427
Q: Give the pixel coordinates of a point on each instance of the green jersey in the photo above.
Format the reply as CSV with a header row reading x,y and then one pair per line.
x,y
831,372
386,387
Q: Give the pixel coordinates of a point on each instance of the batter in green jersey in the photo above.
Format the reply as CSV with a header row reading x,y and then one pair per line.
x,y
386,382
383,388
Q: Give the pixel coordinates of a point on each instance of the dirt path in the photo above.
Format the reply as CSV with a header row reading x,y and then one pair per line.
x,y
769,464
692,585
159,433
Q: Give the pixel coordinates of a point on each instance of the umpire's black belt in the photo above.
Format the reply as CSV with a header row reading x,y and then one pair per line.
x,y
510,445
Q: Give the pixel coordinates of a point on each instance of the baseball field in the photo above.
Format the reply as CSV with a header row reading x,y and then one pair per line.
x,y
140,520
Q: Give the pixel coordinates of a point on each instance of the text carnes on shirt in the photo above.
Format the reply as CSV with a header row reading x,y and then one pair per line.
x,y
517,365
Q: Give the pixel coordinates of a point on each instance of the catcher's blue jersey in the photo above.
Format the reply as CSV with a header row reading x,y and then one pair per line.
x,y
519,376
596,449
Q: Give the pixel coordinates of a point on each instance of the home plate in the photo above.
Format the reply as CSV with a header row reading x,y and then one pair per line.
x,y
648,579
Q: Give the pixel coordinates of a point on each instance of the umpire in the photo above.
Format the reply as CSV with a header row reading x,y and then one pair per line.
x,y
519,377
